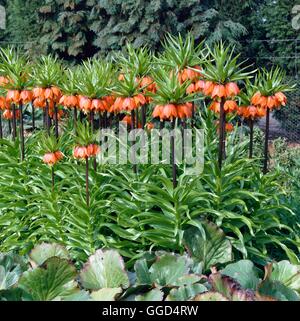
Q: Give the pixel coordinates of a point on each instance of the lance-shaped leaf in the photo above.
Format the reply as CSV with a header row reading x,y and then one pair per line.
x,y
44,251
244,272
54,280
212,249
104,269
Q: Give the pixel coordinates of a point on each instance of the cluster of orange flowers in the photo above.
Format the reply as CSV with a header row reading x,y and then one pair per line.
x,y
42,96
276,101
260,104
228,126
53,157
172,111
84,152
128,103
86,104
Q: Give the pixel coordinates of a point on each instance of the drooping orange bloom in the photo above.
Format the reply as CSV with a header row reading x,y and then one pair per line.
x,y
256,98
232,89
140,100
52,158
281,97
80,152
170,111
218,91
208,88
83,152
7,114
56,94
158,112
230,106
69,101
3,103
38,93
60,114
200,85
26,96
251,111
215,106
185,110
13,96
150,126
98,105
39,103
92,150
129,104
190,74
191,89
85,104
148,84
228,126
127,119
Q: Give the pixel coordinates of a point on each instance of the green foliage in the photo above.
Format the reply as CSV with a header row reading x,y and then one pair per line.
x,y
156,277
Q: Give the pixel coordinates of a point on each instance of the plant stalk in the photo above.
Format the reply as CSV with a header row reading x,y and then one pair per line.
x,y
143,111
266,151
52,178
33,115
22,140
251,138
56,120
87,182
174,166
1,130
132,128
222,134
14,122
47,118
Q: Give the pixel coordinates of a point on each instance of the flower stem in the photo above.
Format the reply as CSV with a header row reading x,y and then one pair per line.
x,y
251,138
143,111
266,152
47,118
1,131
56,120
33,116
75,117
22,133
14,122
52,178
87,182
222,134
132,128
174,166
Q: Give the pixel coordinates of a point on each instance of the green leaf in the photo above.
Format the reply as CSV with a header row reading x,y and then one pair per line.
x,y
44,251
210,296
215,248
153,295
287,274
54,279
104,269
106,294
168,269
185,293
244,273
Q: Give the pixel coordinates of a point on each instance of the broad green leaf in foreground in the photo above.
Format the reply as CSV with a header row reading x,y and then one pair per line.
x,y
54,279
104,269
